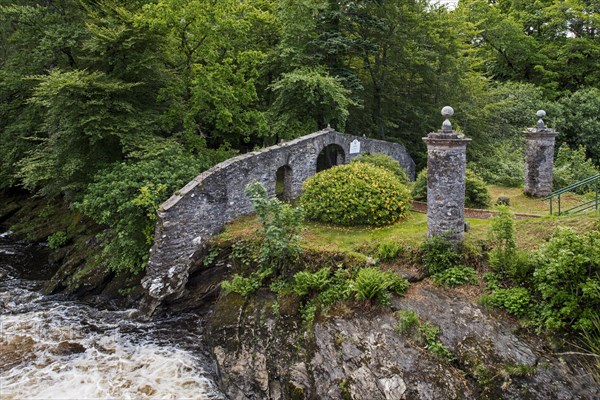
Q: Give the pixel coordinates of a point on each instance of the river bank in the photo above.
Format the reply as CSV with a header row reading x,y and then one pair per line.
x,y
73,256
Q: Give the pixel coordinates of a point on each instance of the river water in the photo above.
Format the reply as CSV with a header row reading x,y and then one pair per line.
x,y
55,348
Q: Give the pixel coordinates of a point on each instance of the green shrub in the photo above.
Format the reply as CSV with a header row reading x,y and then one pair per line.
x,y
438,255
246,285
371,284
241,285
567,279
455,276
476,193
504,166
504,258
388,250
430,334
374,284
515,301
408,321
502,237
338,289
398,284
492,281
245,253
426,334
502,231
355,194
280,224
306,282
125,196
57,240
384,161
419,191
571,166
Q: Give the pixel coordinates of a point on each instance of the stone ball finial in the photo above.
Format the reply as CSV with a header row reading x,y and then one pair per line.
x,y
447,112
541,114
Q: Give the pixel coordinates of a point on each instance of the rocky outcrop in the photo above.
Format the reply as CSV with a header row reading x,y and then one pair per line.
x,y
265,352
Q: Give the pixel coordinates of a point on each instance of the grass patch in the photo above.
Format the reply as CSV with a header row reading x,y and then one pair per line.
x,y
330,238
530,234
520,203
412,231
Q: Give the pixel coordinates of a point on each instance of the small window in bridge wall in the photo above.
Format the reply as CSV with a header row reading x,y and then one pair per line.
x,y
330,156
283,183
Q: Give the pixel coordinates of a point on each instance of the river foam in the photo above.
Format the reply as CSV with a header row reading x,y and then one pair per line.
x,y
51,348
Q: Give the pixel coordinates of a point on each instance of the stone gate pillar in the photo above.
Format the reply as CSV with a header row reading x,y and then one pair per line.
x,y
446,169
539,158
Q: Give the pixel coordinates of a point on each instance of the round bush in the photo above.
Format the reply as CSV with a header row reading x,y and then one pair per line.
x,y
384,161
355,194
476,192
477,195
419,191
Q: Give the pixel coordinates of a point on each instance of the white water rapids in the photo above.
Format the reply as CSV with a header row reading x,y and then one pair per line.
x,y
51,348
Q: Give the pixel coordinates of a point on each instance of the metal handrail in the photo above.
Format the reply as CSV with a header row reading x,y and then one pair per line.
x,y
572,186
580,207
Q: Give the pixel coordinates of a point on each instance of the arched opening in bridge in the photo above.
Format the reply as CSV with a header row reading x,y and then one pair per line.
x,y
330,156
283,183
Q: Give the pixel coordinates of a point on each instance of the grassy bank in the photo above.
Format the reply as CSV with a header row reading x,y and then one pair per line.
x,y
530,233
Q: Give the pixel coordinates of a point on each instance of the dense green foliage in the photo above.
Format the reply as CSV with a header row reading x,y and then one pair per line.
x,y
280,228
86,85
505,167
355,194
567,280
419,189
578,124
503,255
439,254
306,282
476,192
572,166
441,259
515,300
124,197
278,245
455,276
307,100
57,240
388,250
557,286
384,161
374,284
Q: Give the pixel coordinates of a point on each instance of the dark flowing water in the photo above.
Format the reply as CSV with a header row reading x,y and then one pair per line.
x,y
54,348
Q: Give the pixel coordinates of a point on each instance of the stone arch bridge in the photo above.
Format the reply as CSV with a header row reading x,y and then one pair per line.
x,y
201,209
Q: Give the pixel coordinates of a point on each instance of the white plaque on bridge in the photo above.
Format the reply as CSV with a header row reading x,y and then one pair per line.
x,y
355,147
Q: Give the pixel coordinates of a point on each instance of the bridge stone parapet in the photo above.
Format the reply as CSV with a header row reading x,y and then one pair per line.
x,y
201,209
